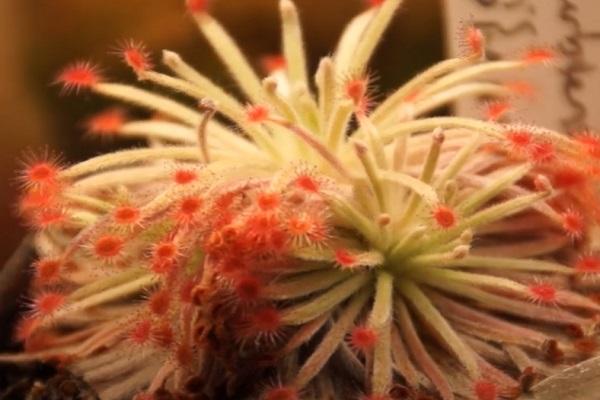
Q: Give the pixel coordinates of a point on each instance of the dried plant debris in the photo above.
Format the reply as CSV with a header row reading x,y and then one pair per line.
x,y
37,381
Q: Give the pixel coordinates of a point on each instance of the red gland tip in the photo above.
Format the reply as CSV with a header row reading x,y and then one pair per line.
x,y
475,40
344,258
309,229
188,209
106,123
165,250
127,215
444,216
37,198
159,302
197,6
519,139
164,256
299,225
108,247
257,113
48,217
140,333
573,223
542,292
542,152
248,287
135,55
412,96
374,3
47,270
307,183
521,88
45,304
588,264
485,390
539,55
568,177
266,320
590,143
268,201
79,75
281,393
363,338
184,176
41,171
261,224
273,63
495,110
356,90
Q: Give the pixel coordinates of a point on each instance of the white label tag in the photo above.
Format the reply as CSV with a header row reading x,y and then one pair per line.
x,y
568,94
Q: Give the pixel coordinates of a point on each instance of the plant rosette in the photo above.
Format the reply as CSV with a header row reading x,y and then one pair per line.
x,y
300,244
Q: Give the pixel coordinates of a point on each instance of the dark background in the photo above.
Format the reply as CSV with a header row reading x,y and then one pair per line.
x,y
39,37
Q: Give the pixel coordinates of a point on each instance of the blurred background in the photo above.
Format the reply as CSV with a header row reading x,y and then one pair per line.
x,y
38,38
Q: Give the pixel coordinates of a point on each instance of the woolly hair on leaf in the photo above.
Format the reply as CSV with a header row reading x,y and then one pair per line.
x,y
291,243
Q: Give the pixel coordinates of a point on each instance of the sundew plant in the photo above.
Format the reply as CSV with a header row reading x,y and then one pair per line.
x,y
308,242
